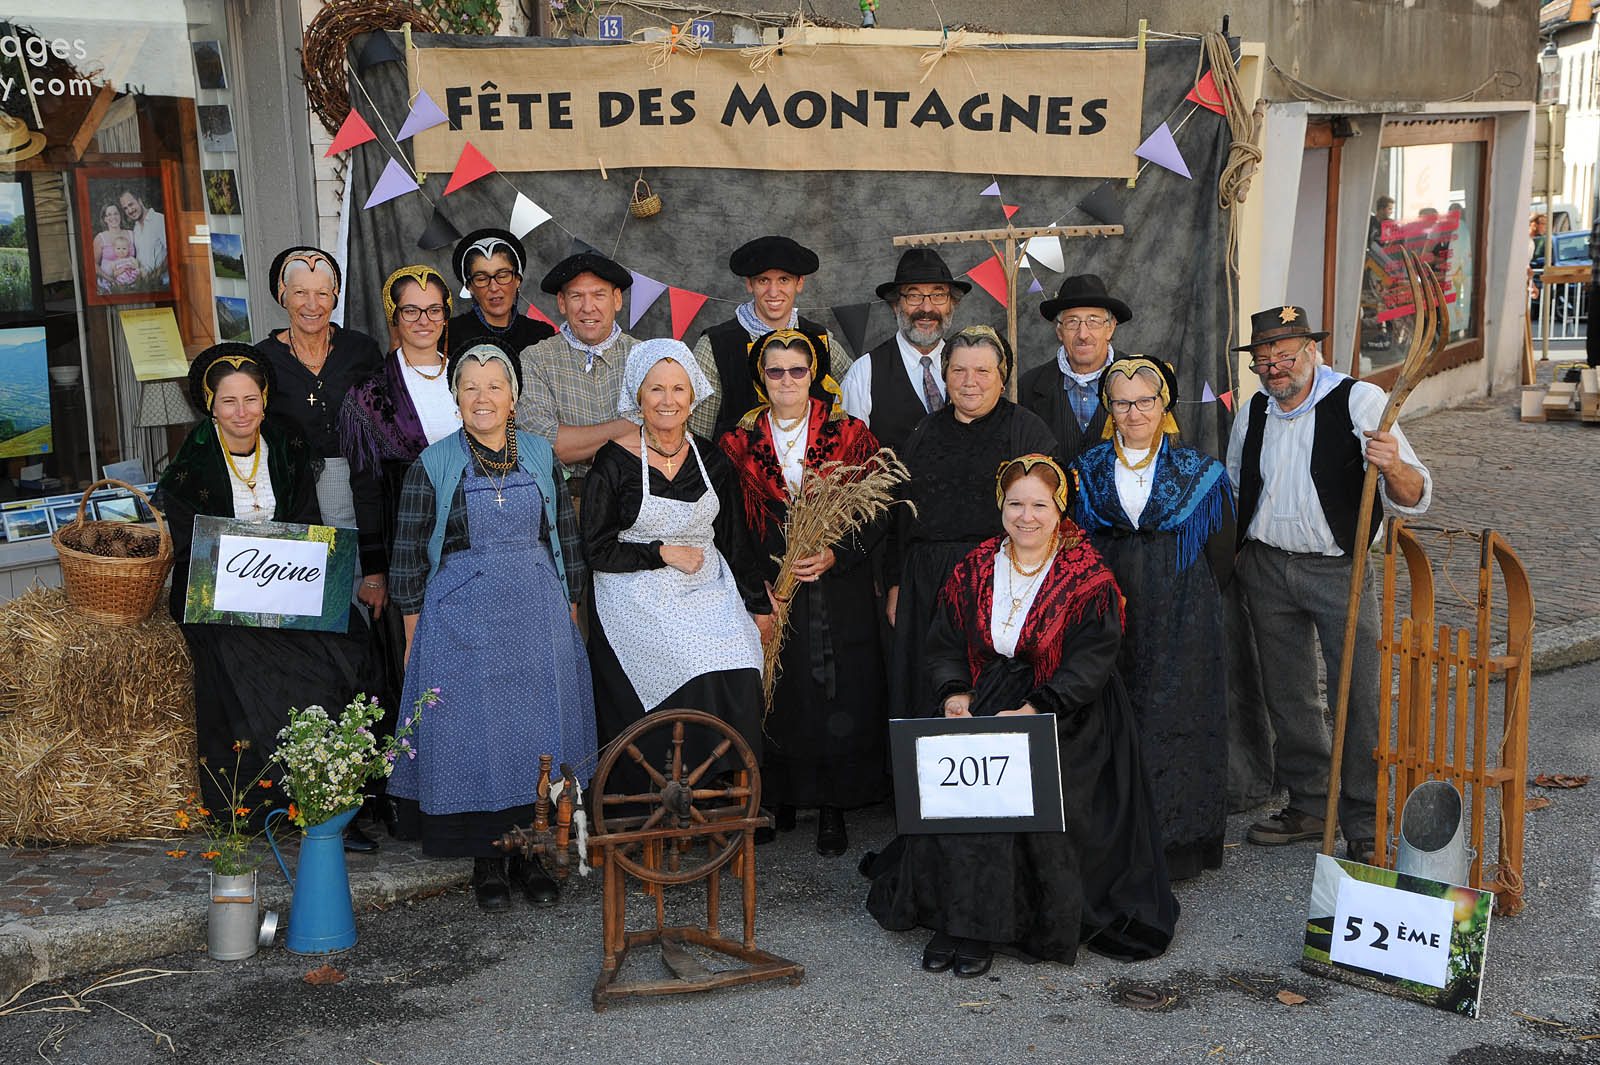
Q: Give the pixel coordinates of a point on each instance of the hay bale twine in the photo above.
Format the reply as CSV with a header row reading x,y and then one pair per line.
x,y
96,724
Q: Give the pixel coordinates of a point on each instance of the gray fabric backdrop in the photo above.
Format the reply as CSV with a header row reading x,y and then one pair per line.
x,y
1169,266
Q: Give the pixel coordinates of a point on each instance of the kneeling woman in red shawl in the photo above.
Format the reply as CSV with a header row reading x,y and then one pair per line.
x,y
1030,623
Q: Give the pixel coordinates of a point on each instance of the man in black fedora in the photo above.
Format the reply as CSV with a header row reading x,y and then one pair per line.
x,y
774,269
1066,391
901,381
1297,458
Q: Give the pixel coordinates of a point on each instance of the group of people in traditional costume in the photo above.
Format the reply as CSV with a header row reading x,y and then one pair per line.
x,y
564,530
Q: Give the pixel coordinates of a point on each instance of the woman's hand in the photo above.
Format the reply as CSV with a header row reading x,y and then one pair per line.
x,y
809,569
411,631
683,559
1024,709
374,593
890,601
958,706
767,626
574,608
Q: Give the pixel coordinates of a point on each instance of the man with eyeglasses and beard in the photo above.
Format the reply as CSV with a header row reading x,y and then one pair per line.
x,y
1298,457
1065,392
901,381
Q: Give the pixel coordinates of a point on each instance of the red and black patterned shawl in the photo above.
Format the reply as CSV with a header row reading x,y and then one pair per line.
x,y
844,440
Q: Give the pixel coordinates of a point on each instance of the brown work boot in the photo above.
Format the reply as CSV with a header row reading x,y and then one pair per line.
x,y
1285,826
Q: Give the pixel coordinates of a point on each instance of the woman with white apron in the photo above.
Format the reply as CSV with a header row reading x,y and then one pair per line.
x,y
679,608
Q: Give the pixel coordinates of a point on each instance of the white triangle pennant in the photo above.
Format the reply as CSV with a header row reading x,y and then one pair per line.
x,y
1046,251
526,216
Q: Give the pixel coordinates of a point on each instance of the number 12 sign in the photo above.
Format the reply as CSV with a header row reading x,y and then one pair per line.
x,y
986,774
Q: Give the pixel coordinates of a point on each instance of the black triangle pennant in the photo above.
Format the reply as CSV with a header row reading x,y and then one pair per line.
x,y
579,247
852,319
1102,205
439,233
378,49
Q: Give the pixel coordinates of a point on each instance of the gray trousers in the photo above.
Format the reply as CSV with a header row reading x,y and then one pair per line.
x,y
1293,598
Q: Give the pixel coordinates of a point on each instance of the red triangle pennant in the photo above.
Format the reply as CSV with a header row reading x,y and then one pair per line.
x,y
1009,210
354,131
469,168
990,276
685,305
1227,399
539,316
1206,95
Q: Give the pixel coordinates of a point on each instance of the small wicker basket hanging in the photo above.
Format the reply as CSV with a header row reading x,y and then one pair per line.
x,y
644,203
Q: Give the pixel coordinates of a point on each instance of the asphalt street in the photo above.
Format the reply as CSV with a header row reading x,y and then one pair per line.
x,y
433,981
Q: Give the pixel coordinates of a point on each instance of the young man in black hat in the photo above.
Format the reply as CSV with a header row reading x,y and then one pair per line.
x,y
1066,391
489,264
774,271
572,381
901,381
1297,458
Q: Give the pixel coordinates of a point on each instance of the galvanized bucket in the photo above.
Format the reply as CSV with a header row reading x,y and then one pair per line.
x,y
233,927
1433,840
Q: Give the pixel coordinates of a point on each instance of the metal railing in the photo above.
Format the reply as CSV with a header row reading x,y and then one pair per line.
x,y
1569,312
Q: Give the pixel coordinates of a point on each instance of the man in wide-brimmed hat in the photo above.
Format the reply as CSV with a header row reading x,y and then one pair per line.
x,y
900,382
1297,458
774,269
1066,391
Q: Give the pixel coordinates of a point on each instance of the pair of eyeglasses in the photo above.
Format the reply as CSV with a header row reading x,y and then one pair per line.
x,y
1093,322
1146,404
1261,364
411,313
917,299
775,373
499,277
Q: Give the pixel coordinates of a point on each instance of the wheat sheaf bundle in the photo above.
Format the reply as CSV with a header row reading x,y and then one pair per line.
x,y
834,501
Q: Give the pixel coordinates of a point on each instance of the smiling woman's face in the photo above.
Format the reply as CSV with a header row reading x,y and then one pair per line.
x,y
483,395
1029,513
666,397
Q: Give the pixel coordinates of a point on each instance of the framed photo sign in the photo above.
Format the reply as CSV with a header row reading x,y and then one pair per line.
x,y
976,774
270,575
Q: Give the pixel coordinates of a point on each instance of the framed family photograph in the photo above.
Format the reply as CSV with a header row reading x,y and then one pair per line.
x,y
126,232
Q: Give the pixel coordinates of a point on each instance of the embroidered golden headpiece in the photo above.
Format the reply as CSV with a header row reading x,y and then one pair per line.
x,y
1028,462
421,275
980,334
786,338
1129,366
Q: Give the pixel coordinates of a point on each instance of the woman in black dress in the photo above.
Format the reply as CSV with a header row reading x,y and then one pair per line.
x,y
1029,623
490,263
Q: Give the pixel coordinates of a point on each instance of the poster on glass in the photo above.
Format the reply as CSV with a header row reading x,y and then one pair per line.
x,y
222,192
25,427
19,267
126,232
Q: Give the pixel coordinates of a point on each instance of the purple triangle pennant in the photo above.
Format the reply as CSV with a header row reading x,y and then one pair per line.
x,y
1035,287
425,114
1160,149
992,190
393,182
642,295
1206,395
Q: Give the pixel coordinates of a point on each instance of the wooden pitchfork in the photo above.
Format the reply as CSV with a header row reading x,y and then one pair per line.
x,y
1429,334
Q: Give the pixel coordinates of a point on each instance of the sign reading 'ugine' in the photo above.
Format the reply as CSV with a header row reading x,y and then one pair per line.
x,y
1070,112
270,574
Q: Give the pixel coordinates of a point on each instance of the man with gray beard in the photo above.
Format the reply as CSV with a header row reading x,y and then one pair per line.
x,y
900,381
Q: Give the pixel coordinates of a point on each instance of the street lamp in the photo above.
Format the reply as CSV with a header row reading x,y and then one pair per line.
x,y
1549,73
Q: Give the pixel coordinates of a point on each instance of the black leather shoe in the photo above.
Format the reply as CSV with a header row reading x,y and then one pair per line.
x,y
832,840
940,953
489,885
783,820
357,841
972,959
529,875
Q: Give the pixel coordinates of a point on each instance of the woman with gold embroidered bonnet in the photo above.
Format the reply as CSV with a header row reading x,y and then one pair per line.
x,y
826,740
240,463
486,566
1029,623
1162,517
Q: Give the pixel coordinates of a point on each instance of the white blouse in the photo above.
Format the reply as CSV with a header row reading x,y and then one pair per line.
x,y
436,408
1134,495
251,504
1013,598
791,448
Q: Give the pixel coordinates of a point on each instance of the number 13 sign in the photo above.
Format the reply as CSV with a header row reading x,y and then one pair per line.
x,y
986,774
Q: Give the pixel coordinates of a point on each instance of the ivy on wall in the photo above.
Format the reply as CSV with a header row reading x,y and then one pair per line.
x,y
464,16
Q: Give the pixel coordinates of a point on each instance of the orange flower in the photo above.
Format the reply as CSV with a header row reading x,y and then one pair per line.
x,y
242,811
266,783
208,855
204,812
182,819
293,813
238,746
176,854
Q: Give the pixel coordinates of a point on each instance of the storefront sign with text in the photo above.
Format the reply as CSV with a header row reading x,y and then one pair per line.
x,y
270,574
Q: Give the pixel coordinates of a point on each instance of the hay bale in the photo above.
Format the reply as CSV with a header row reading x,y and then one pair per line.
x,y
96,724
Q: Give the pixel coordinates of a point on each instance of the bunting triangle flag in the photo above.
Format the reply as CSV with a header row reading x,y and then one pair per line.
x,y
1009,210
1206,95
394,181
425,114
685,305
526,216
1206,395
354,131
1035,287
1102,205
852,319
539,316
642,295
990,276
1160,149
992,190
469,168
439,233
579,247
1227,399
378,49
1047,252
466,292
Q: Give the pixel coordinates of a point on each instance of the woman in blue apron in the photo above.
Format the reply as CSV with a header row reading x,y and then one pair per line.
x,y
679,607
486,565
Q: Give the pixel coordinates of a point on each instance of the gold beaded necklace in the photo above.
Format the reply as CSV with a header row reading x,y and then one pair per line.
x,y
255,467
1135,467
1014,567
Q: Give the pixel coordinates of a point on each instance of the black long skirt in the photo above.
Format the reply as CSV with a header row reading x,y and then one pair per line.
x,y
1100,884
926,567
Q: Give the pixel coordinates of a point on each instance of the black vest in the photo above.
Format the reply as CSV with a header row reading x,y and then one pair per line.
x,y
1041,391
1337,466
897,407
730,348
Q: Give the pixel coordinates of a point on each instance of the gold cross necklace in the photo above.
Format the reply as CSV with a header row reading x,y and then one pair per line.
x,y
652,442
1014,567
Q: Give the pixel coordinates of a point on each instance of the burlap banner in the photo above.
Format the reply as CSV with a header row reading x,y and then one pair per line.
x,y
1065,112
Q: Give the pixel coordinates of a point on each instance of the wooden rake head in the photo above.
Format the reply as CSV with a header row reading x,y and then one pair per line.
x,y
1429,335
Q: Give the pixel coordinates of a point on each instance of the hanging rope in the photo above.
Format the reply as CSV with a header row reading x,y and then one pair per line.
x,y
659,50
953,42
762,55
1244,155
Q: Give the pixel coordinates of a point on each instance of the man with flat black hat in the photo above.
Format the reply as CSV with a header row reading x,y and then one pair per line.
x,y
901,381
1066,391
571,381
774,271
1297,458
489,264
